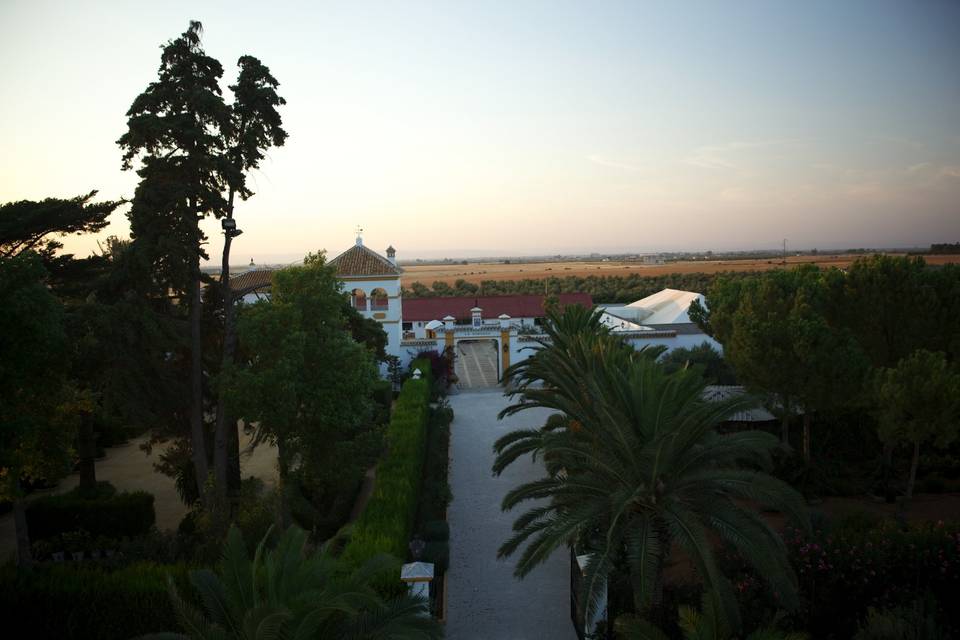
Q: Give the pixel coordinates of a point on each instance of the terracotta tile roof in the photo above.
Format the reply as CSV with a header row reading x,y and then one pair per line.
x,y
360,261
251,281
521,306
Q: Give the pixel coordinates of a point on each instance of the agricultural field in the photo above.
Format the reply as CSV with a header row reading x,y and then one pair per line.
x,y
476,272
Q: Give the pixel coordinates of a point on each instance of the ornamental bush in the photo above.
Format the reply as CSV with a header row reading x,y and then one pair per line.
x,y
859,564
386,525
107,513
67,602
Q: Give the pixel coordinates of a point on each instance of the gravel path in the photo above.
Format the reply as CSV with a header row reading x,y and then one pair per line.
x,y
484,600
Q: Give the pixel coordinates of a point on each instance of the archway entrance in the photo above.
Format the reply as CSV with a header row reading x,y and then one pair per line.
x,y
477,363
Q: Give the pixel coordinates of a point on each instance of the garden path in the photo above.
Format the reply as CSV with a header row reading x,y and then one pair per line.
x,y
484,599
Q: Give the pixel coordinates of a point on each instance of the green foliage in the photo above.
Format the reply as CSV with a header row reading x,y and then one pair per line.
x,y
386,525
37,429
308,387
77,602
288,592
430,366
435,530
914,622
604,289
110,514
435,494
635,468
27,226
846,569
706,623
918,402
705,358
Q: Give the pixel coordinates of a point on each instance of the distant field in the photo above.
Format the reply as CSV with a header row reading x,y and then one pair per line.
x,y
479,271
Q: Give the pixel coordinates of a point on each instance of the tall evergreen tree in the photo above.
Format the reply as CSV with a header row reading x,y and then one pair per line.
x,y
255,127
176,130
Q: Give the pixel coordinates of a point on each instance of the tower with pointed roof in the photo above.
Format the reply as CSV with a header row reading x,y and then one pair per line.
x,y
373,282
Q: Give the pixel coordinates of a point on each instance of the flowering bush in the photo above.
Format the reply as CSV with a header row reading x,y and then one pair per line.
x,y
845,570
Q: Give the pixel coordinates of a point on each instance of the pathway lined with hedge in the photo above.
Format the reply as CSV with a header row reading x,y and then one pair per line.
x,y
484,600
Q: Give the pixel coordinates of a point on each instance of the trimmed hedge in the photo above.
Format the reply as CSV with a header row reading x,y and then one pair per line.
x,y
426,369
386,525
114,516
67,602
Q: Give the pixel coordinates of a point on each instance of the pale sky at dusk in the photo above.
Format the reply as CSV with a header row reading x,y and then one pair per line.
x,y
454,128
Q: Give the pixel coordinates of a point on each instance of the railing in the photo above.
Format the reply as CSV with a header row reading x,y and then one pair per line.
x,y
379,305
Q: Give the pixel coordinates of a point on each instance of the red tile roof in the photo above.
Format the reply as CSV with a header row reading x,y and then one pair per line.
x,y
521,306
251,281
360,261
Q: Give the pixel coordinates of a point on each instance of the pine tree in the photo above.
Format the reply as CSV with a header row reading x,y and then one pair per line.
x,y
176,130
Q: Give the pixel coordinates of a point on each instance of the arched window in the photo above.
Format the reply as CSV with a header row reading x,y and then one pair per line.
x,y
358,299
379,300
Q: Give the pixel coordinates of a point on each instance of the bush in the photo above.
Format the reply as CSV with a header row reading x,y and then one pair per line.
x,y
67,602
439,554
107,513
435,531
387,522
435,495
382,398
845,569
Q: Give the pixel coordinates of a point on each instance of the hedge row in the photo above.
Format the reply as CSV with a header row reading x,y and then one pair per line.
x,y
425,364
386,524
67,602
114,516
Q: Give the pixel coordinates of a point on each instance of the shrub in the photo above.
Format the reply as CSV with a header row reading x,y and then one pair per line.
x,y
435,495
67,602
387,522
107,513
439,554
435,531
846,569
382,398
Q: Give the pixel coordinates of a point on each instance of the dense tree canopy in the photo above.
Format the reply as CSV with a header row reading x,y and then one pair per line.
x,y
34,419
918,402
305,382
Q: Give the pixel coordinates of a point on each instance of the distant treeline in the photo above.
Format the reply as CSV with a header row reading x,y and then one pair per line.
x,y
604,289
945,248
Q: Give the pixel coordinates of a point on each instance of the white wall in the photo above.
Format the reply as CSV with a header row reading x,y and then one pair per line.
x,y
390,317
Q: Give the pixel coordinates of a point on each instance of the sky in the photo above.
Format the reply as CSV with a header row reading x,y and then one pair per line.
x,y
515,128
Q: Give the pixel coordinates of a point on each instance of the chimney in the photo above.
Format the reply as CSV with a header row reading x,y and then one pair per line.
x,y
392,255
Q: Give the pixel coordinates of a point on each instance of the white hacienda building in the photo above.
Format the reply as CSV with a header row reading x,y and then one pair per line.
x,y
373,282
499,329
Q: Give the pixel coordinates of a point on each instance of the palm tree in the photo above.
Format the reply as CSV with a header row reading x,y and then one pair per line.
x,y
635,467
288,593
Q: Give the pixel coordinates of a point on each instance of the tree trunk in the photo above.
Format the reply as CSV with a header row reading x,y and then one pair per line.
x,y
87,445
785,421
913,469
226,438
197,444
886,473
806,436
24,557
283,469
221,438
